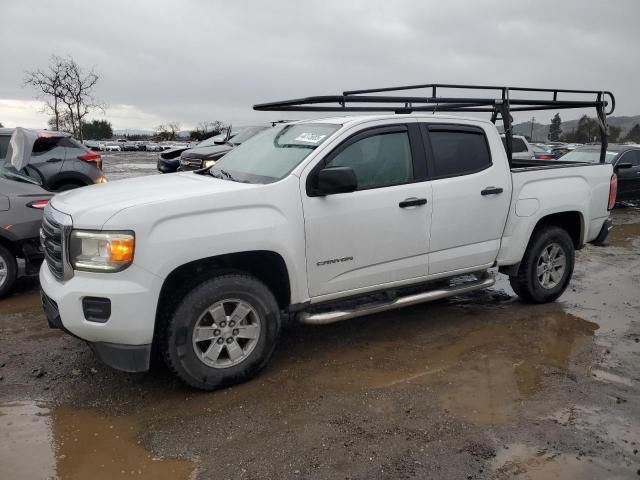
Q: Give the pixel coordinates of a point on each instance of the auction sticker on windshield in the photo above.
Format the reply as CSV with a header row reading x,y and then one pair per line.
x,y
310,137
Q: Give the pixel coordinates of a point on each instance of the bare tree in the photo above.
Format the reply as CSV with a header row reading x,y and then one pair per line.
x,y
67,92
49,84
207,129
78,94
168,131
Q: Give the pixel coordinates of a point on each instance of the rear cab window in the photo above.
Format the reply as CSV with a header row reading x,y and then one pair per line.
x,y
456,150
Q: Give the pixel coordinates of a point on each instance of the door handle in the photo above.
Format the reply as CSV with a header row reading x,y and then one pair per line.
x,y
491,191
412,202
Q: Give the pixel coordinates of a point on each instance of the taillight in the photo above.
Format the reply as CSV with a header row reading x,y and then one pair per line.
x,y
90,157
544,157
38,204
613,191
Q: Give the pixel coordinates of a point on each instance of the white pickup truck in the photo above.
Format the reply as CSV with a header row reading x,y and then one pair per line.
x,y
313,221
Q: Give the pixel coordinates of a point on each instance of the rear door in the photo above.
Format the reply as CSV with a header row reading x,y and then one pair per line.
x,y
629,178
47,158
379,233
471,196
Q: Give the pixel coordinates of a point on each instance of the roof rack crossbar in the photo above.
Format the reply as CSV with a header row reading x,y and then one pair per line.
x,y
502,104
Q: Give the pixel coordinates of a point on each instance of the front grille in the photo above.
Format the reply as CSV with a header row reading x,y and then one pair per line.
x,y
52,235
191,164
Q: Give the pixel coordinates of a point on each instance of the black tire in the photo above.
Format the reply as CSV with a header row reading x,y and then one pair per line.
x,y
526,283
176,345
11,270
68,186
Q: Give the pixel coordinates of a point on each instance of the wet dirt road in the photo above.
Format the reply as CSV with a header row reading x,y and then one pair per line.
x,y
481,386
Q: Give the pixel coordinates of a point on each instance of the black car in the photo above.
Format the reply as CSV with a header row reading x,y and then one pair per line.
x,y
625,160
58,161
206,152
22,201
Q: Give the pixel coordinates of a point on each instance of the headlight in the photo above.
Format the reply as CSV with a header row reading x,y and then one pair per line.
x,y
208,163
93,251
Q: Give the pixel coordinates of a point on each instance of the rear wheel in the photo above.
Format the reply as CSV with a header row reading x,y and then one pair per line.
x,y
547,266
223,332
8,270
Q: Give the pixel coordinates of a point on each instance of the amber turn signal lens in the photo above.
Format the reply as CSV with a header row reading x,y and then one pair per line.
x,y
121,250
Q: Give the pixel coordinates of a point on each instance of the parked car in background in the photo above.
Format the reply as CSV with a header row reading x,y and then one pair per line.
x,y
625,160
22,201
93,145
58,161
205,153
112,147
521,150
542,153
150,147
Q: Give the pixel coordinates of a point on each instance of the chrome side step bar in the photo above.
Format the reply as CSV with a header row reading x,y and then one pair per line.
x,y
339,315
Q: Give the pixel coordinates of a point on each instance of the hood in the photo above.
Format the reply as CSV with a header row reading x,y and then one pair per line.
x,y
172,153
91,206
206,152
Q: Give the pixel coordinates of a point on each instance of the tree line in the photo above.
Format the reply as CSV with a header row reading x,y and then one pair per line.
x,y
588,130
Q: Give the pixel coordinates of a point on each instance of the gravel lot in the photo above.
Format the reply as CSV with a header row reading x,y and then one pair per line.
x,y
475,387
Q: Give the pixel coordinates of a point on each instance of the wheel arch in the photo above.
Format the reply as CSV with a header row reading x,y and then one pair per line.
x,y
571,221
267,266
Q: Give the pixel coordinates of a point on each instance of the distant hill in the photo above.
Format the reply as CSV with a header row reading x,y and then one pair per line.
x,y
540,131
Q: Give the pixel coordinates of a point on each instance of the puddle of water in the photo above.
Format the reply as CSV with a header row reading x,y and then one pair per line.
x,y
480,362
23,303
624,235
76,444
532,463
26,450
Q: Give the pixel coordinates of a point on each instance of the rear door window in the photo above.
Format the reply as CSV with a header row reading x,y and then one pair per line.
x,y
458,150
44,145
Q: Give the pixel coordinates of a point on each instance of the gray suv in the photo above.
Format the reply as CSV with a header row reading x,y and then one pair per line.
x,y
58,161
22,201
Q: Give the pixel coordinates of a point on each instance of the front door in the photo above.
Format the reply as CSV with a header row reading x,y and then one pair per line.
x,y
379,233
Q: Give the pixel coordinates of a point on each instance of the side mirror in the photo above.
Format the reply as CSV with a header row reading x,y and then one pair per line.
x,y
336,180
622,166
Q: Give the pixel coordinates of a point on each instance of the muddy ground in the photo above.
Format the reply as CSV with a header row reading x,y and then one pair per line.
x,y
475,387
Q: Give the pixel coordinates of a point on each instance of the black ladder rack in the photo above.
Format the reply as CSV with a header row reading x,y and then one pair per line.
x,y
499,103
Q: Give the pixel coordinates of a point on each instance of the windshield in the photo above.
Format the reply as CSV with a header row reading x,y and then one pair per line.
x,y
237,136
590,156
272,154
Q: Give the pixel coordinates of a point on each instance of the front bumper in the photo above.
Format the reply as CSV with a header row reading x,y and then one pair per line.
x,y
124,340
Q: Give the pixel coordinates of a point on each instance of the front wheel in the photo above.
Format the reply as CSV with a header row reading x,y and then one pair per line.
x,y
223,332
547,266
8,270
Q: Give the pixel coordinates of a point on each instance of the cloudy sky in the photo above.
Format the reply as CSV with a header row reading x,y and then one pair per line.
x,y
197,60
